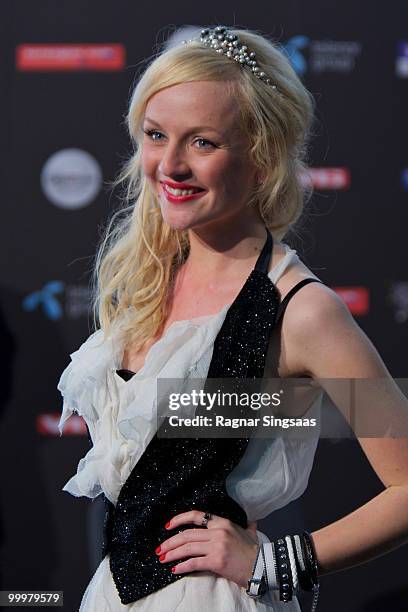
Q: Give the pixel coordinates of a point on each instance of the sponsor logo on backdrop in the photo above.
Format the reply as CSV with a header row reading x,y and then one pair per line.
x,y
58,300
318,56
401,63
356,298
71,179
70,57
398,298
327,179
296,48
404,179
47,425
47,299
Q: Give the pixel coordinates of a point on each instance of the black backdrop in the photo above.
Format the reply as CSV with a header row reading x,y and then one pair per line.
x,y
353,57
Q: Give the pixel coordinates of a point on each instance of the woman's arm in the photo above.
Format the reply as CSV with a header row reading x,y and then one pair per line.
x,y
330,345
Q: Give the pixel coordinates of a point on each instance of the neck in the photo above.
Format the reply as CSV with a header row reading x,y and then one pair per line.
x,y
215,251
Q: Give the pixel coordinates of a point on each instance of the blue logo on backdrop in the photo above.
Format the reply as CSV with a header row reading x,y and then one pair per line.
x,y
321,56
404,179
46,297
293,48
401,64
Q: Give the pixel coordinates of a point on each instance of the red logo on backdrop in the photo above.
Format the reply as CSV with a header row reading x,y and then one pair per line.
x,y
68,57
356,298
47,425
327,178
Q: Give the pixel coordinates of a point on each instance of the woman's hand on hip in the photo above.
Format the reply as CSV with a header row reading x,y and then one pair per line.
x,y
223,548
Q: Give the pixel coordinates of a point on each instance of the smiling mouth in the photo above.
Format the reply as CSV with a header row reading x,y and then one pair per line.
x,y
182,192
178,195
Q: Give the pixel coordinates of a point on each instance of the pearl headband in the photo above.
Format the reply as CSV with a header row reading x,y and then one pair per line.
x,y
223,41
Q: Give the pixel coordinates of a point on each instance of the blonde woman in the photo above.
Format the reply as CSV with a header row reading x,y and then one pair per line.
x,y
193,279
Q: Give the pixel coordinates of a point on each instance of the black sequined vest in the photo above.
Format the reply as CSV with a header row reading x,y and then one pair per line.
x,y
177,475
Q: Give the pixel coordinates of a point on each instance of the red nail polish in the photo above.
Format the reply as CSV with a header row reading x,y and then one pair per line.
x,y
167,525
157,550
162,557
173,569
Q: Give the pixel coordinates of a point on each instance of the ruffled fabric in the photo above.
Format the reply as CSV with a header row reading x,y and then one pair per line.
x,y
121,416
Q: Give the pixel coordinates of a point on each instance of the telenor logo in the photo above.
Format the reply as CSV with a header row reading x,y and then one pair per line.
x,y
356,298
46,299
73,301
294,47
69,57
318,56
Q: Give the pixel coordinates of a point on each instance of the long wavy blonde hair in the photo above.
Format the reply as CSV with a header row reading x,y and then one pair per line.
x,y
139,254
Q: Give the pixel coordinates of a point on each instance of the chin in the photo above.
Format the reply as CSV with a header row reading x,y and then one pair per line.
x,y
178,226
178,222
188,219
178,219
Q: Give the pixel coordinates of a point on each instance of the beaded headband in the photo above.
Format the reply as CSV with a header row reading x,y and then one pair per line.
x,y
223,41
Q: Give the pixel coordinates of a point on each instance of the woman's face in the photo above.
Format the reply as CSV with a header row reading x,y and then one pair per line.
x,y
195,155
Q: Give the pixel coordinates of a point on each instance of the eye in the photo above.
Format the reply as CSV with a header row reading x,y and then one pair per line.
x,y
202,143
154,135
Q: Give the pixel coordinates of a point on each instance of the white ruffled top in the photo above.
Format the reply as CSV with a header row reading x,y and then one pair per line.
x,y
121,415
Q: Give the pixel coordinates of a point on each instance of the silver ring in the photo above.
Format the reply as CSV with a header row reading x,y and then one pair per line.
x,y
207,517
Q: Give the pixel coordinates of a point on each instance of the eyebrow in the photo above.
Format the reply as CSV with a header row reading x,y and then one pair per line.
x,y
198,128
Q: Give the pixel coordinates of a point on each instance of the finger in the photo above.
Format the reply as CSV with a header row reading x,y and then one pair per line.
x,y
195,564
189,535
190,549
192,516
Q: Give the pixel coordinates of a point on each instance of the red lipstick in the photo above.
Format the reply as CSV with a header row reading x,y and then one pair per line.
x,y
169,186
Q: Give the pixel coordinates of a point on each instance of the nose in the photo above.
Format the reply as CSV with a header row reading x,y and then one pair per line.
x,y
174,164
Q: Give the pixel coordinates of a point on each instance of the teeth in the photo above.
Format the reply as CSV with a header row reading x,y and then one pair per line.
x,y
181,192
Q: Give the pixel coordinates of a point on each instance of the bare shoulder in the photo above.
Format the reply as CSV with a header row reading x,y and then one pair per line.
x,y
320,337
